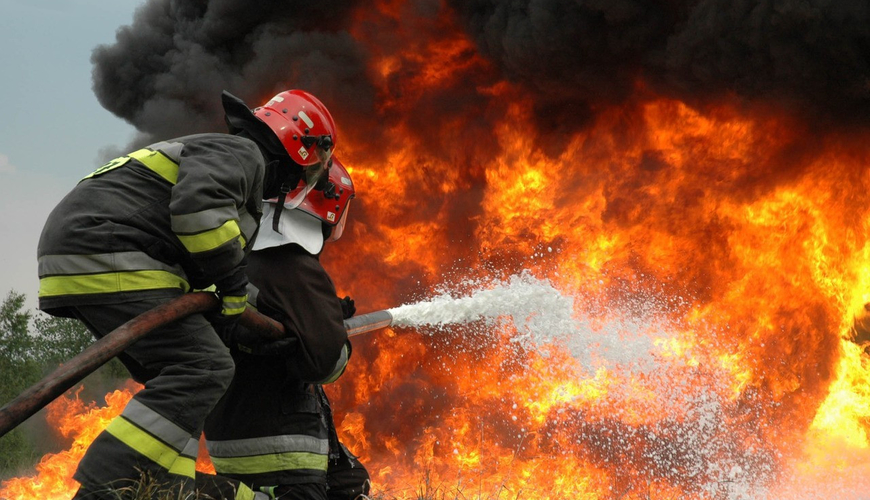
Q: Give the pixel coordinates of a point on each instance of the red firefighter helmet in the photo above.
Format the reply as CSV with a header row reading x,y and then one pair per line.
x,y
306,130
302,124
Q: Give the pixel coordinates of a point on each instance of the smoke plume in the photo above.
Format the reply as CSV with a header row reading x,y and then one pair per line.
x,y
165,72
808,56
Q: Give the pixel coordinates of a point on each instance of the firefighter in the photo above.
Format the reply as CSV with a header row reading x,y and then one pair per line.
x,y
150,226
273,429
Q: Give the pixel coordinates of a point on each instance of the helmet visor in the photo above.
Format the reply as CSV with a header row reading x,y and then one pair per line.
x,y
311,175
338,230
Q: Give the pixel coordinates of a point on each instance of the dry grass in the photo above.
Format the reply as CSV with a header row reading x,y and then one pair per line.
x,y
427,490
148,488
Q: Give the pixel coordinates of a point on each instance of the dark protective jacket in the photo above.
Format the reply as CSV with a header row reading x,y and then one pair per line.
x,y
271,427
172,216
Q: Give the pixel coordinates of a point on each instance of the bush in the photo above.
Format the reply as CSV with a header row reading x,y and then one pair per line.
x,y
32,346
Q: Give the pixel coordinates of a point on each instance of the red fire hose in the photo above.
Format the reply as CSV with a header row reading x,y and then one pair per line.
x,y
97,354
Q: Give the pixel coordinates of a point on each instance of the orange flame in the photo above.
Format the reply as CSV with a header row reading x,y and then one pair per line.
x,y
718,256
75,419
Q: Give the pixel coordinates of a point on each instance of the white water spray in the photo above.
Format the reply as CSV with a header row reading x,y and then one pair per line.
x,y
542,315
536,308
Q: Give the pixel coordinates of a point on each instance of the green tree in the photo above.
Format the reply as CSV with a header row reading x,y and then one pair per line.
x,y
31,347
18,370
57,340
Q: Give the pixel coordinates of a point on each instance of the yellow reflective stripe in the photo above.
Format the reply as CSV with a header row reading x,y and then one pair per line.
x,y
244,493
183,466
117,162
233,305
242,240
340,366
270,463
122,281
209,240
50,265
150,447
159,164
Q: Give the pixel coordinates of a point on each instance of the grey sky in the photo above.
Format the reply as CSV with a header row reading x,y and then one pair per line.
x,y
51,126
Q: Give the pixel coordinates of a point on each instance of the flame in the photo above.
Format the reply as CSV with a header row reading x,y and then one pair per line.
x,y
73,419
718,254
80,422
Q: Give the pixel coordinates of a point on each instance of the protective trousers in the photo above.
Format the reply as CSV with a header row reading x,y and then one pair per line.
x,y
186,369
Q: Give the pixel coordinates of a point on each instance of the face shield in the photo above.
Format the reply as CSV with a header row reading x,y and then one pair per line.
x,y
313,174
338,229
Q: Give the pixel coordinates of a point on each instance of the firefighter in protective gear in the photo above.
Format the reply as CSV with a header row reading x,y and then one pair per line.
x,y
154,224
273,429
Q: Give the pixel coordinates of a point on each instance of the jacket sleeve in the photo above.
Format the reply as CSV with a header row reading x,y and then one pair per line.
x,y
217,176
296,290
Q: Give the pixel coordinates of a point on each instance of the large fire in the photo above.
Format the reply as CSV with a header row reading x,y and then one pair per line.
x,y
730,241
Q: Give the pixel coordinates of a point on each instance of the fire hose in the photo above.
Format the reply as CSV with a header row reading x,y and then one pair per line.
x,y
100,352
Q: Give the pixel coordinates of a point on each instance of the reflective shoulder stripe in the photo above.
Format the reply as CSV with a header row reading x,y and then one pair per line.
x,y
111,165
172,150
161,158
210,240
270,463
158,163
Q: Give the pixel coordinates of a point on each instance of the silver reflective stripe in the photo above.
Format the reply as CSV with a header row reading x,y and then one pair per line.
x,y
157,425
202,221
247,224
253,293
338,370
50,265
192,448
265,445
171,150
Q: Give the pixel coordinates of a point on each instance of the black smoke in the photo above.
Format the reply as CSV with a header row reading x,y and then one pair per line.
x,y
165,72
807,56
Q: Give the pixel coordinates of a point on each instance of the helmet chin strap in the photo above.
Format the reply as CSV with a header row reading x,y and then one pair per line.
x,y
279,207
281,178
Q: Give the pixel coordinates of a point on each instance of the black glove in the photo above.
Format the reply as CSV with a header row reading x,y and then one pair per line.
x,y
348,309
232,290
243,341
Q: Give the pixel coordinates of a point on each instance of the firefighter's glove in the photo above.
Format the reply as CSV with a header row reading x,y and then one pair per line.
x,y
232,290
284,347
348,309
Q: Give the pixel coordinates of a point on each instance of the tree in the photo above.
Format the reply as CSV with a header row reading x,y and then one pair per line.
x,y
32,346
18,370
57,340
